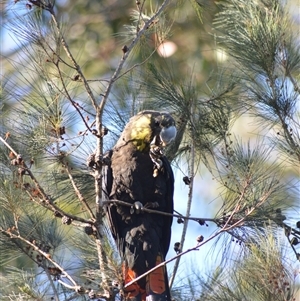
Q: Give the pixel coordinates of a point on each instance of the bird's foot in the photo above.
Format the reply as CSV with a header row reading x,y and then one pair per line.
x,y
95,162
157,162
155,154
90,161
137,207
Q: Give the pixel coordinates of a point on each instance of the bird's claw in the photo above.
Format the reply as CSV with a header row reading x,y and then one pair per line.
x,y
137,207
94,161
155,153
90,161
156,160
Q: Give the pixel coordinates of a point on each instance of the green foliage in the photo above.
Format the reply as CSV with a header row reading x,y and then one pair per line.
x,y
258,36
253,32
262,275
82,68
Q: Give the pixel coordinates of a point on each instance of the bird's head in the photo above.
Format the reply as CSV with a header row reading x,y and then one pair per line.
x,y
164,129
150,128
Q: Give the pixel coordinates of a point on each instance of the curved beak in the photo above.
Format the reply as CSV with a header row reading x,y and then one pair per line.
x,y
167,134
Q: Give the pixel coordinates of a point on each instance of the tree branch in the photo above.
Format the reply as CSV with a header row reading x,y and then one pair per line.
x,y
143,209
188,209
225,228
46,200
126,54
70,55
66,92
79,195
99,146
47,256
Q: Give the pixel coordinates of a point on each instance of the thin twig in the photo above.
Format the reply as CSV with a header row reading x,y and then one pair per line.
x,y
46,203
52,285
66,92
136,65
140,8
99,146
71,287
287,69
225,228
100,108
70,55
188,209
46,200
79,195
175,257
44,254
143,209
129,49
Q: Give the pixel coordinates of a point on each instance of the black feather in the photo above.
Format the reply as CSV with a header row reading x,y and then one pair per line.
x,y
140,237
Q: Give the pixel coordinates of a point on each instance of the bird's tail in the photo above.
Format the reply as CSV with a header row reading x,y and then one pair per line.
x,y
133,292
157,287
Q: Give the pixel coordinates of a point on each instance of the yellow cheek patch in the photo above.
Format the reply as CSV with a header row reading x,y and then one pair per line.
x,y
141,133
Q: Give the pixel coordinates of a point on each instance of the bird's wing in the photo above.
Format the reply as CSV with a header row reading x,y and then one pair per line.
x,y
169,203
110,208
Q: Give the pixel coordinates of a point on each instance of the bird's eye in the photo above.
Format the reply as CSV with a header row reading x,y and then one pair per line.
x,y
156,123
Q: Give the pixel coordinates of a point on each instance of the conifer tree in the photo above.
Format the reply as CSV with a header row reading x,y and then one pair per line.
x,y
79,72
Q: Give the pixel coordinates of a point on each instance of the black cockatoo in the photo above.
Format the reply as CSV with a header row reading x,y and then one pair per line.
x,y
141,175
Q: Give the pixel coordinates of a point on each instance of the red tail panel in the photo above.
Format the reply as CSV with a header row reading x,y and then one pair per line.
x,y
156,280
133,292
156,286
